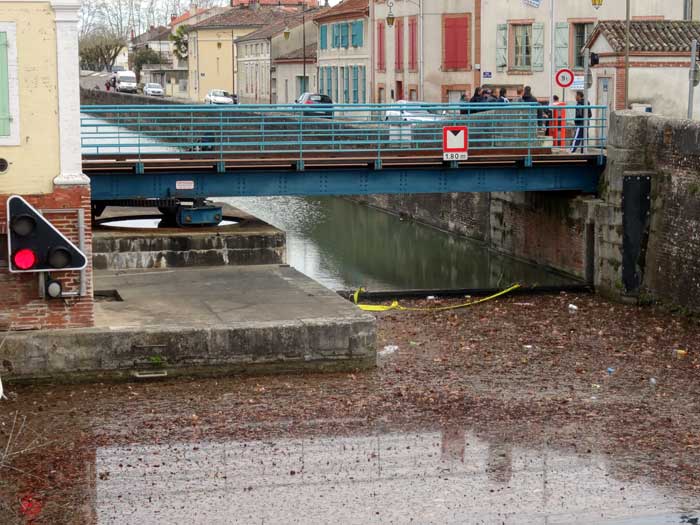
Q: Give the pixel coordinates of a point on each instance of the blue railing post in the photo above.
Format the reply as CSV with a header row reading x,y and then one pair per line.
x,y
532,135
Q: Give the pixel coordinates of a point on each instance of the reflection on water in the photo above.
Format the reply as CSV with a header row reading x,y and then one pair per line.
x,y
345,245
147,223
448,476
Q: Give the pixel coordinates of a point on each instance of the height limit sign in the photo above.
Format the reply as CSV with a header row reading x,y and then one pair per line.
x,y
455,143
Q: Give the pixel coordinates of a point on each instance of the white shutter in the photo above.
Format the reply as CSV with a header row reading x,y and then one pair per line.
x,y
502,47
561,45
538,47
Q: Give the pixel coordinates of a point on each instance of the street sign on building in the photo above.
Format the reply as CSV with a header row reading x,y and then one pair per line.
x,y
578,83
455,143
564,78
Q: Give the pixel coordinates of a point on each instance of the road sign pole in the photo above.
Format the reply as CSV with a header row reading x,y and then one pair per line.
x,y
586,73
693,77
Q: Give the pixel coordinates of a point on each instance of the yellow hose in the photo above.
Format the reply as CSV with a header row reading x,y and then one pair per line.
x,y
396,306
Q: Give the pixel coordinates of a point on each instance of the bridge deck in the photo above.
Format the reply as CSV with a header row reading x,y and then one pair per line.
x,y
267,150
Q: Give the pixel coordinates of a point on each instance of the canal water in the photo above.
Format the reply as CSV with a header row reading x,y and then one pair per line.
x,y
345,245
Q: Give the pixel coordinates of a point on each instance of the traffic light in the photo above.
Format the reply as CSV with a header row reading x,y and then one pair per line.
x,y
595,59
35,245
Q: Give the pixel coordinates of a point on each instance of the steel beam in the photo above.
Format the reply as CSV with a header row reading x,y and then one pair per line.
x,y
358,181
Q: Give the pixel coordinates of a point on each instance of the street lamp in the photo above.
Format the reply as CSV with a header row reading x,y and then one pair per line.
x,y
287,33
390,18
597,3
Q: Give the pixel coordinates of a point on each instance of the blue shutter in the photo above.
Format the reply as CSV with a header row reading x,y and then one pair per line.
x,y
344,35
360,33
329,81
364,84
4,88
355,85
320,80
324,36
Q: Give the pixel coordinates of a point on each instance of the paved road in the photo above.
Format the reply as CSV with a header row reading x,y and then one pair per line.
x,y
90,80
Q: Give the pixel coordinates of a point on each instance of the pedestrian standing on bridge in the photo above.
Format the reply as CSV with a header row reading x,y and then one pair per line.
x,y
580,123
478,95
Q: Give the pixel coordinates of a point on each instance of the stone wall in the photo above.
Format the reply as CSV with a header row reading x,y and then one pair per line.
x,y
673,255
544,228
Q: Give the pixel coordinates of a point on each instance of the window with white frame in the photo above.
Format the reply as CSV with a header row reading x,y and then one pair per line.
x,y
522,46
9,88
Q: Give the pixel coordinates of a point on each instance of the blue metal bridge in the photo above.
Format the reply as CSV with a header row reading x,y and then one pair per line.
x,y
169,153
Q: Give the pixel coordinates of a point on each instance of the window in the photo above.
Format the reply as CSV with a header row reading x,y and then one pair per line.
x,y
581,34
398,41
324,37
381,46
9,89
455,45
413,94
522,46
412,43
336,35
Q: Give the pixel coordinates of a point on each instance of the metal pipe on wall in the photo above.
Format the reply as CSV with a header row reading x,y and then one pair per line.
x,y
627,57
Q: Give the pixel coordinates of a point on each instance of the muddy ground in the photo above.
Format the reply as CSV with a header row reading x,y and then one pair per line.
x,y
526,371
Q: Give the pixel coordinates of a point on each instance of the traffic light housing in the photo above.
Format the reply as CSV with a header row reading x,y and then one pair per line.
x,y
35,245
595,59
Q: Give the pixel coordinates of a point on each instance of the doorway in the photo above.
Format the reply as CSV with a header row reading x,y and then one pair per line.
x,y
399,90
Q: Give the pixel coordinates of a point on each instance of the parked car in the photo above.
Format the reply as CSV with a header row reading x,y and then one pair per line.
x,y
219,96
412,111
125,82
152,89
323,103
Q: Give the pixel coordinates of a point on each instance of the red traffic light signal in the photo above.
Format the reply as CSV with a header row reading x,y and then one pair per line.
x,y
35,245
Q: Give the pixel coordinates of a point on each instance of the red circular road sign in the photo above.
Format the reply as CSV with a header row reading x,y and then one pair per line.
x,y
564,78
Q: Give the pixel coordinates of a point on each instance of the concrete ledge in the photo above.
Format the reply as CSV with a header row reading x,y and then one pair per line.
x,y
206,321
257,347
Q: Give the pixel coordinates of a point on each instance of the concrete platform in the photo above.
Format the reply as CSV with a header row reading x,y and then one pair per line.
x,y
213,320
249,241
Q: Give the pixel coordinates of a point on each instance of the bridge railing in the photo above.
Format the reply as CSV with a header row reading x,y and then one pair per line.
x,y
373,132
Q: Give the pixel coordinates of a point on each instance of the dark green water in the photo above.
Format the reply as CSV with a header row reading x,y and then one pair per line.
x,y
345,245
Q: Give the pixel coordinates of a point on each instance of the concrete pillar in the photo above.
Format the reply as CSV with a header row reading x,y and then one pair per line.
x,y
68,93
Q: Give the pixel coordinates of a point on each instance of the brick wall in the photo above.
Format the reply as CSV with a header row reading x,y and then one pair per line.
x,y
672,271
21,308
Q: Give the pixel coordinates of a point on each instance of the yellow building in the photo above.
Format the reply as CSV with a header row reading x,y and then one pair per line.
x,y
213,61
40,156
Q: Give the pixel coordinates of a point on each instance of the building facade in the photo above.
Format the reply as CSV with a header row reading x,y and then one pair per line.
x,y
344,53
522,44
659,66
213,59
40,157
425,50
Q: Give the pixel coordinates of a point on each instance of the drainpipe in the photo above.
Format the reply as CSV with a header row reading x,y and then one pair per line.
x,y
372,35
421,58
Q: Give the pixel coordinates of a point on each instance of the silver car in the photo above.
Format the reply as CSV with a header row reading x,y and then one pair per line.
x,y
153,90
219,96
411,111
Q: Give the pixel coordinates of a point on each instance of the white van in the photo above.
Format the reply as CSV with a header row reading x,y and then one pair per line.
x,y
126,82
